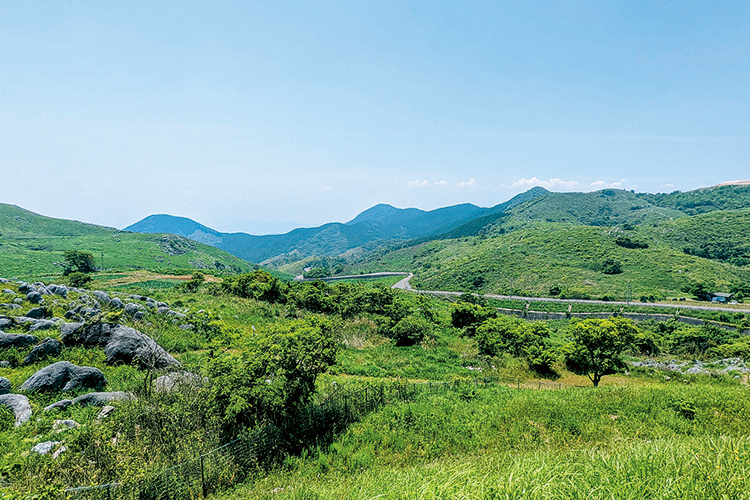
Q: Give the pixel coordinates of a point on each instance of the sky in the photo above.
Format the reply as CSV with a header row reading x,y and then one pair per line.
x,y
265,116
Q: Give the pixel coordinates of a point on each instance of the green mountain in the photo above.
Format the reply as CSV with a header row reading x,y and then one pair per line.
x,y
732,196
564,240
33,245
377,225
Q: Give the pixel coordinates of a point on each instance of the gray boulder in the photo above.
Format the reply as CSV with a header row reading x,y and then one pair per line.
x,y
122,344
42,324
5,364
10,306
4,386
102,297
5,323
38,313
34,297
8,291
45,447
64,376
174,380
162,310
15,340
64,425
49,348
106,412
19,405
26,287
131,309
69,330
91,399
116,303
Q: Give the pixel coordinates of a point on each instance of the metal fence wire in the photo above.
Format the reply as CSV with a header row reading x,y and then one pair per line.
x,y
236,460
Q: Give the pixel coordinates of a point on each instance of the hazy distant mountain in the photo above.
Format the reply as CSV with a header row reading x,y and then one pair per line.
x,y
379,223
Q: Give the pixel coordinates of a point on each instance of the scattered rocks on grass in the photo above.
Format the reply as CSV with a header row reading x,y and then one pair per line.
x,y
12,307
5,322
34,297
19,405
8,291
64,376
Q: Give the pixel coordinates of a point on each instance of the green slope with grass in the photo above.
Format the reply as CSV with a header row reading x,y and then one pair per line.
x,y
544,255
32,245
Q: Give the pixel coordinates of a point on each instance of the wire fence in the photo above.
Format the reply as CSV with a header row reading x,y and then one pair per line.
x,y
255,451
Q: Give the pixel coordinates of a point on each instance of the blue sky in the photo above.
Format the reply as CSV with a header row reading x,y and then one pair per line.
x,y
262,116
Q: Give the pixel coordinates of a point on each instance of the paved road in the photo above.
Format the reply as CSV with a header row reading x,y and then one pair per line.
x,y
404,285
357,277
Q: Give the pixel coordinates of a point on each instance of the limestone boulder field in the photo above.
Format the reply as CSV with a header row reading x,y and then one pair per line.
x,y
63,377
122,344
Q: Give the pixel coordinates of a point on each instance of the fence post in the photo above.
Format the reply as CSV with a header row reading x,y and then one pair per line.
x,y
540,385
518,383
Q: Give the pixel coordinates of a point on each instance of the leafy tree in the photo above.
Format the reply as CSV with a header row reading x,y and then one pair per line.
x,y
259,285
79,280
468,316
597,345
411,330
529,341
318,272
699,289
78,261
611,266
273,375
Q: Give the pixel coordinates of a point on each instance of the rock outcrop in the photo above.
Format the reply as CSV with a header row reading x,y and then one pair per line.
x,y
19,405
64,376
49,348
122,344
8,340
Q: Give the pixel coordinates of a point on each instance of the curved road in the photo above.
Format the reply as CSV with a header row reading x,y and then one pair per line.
x,y
404,285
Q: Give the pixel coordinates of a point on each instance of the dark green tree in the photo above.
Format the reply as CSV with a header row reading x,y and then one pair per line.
x,y
78,261
596,347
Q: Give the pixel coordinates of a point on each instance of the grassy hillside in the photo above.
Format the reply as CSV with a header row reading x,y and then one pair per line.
x,y
719,235
545,255
609,207
702,201
32,245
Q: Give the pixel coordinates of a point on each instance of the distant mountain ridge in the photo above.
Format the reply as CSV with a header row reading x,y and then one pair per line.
x,y
384,223
379,223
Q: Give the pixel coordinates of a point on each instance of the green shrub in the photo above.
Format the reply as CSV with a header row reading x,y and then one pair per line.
x,y
411,330
271,375
611,266
78,280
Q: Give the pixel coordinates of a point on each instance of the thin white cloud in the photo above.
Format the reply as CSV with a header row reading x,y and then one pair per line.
x,y
468,184
558,184
417,184
426,183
